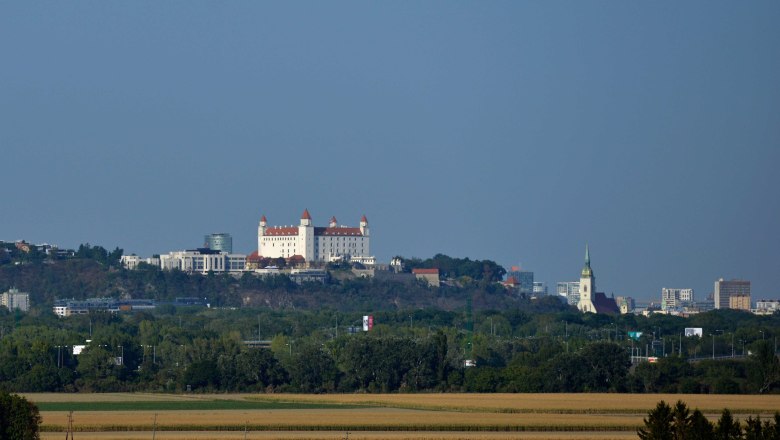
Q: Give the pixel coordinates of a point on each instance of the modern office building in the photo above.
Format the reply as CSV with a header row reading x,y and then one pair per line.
x,y
570,290
14,299
315,244
724,290
767,306
524,280
203,261
219,242
540,288
739,302
672,298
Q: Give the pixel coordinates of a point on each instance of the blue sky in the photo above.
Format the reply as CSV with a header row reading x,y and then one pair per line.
x,y
514,131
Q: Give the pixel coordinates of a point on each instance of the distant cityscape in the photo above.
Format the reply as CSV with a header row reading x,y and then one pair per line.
x,y
303,252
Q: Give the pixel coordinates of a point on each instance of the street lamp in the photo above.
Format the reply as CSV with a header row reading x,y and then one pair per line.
x,y
732,345
713,345
713,342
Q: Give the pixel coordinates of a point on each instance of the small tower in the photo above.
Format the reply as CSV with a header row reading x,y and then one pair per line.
x,y
333,222
364,226
305,218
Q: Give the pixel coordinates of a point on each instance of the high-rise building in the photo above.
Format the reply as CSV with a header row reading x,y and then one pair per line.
x,y
673,298
570,290
524,280
219,242
540,288
724,290
14,299
739,302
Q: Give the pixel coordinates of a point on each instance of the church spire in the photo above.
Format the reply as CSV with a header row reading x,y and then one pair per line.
x,y
587,272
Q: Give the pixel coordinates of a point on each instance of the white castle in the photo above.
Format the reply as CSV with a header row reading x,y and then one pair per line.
x,y
315,244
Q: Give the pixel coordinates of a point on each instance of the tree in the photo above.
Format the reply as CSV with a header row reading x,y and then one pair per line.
x,y
658,424
19,419
700,427
727,428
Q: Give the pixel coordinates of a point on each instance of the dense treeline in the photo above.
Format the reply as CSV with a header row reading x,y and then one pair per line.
x,y
99,276
414,350
463,269
421,341
679,422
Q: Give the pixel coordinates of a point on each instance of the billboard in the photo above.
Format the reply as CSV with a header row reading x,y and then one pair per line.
x,y
635,335
368,322
693,331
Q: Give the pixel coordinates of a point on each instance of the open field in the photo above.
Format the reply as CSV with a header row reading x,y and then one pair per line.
x,y
353,435
371,416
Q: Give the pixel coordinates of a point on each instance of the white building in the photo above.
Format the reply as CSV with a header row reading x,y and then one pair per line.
x,y
315,244
14,299
131,262
540,288
570,290
672,298
203,261
767,306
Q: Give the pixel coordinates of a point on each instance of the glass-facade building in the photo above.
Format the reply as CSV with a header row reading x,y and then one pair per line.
x,y
219,242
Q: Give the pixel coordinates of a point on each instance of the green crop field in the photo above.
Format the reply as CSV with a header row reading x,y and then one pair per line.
x,y
191,405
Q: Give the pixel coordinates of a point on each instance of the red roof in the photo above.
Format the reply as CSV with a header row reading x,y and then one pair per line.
x,y
425,271
364,219
254,257
338,231
604,304
262,219
511,280
306,215
281,230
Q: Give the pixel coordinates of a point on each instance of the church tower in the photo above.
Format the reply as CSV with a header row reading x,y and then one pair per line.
x,y
587,286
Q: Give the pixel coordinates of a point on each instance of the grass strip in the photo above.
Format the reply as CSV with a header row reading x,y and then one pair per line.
x,y
350,427
203,405
495,410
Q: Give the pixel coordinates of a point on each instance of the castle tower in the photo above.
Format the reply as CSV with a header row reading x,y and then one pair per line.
x,y
305,244
261,232
364,226
333,222
587,286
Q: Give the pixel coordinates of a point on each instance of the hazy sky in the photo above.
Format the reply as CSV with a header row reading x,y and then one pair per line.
x,y
513,131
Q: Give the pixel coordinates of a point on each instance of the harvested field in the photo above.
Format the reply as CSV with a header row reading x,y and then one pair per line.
x,y
353,435
382,419
371,416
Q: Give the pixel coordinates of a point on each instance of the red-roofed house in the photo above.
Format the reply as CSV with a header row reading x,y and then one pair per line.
x,y
315,244
431,276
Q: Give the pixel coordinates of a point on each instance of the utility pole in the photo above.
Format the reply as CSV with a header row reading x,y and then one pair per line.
x,y
679,349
